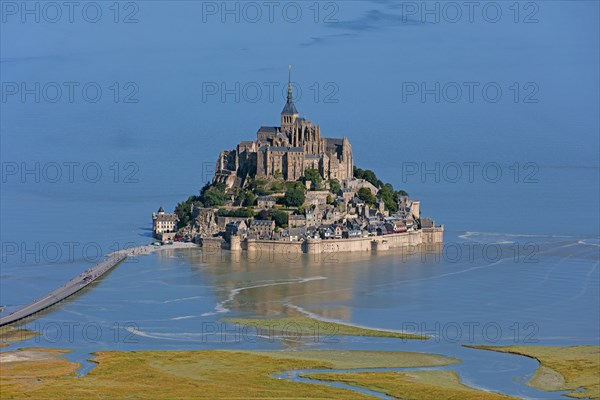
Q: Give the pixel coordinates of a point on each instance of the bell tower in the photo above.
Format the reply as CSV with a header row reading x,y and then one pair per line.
x,y
289,113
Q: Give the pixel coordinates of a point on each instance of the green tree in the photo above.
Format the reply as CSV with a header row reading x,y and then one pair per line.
x,y
280,217
365,195
334,186
315,177
358,173
368,176
277,186
240,198
388,197
263,215
184,210
259,187
249,199
244,212
238,212
294,196
213,197
372,178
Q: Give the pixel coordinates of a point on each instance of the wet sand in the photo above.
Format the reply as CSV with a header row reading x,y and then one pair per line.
x,y
151,248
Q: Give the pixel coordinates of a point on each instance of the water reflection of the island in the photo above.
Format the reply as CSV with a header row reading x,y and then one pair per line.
x,y
273,284
510,281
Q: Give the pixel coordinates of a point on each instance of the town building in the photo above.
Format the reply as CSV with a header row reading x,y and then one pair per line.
x,y
265,202
318,198
262,229
237,228
295,221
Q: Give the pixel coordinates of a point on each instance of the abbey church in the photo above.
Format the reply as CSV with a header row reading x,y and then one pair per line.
x,y
286,151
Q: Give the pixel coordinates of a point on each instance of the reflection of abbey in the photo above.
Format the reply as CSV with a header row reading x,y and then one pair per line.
x,y
287,151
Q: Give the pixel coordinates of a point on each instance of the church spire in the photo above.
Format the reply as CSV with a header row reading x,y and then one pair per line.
x,y
289,96
290,107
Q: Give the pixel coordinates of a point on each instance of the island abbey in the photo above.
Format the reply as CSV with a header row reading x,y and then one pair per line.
x,y
291,189
286,151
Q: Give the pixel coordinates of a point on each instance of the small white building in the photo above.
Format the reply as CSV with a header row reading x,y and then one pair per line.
x,y
164,226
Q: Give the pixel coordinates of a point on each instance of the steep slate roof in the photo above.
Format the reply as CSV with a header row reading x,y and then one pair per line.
x,y
262,222
167,218
235,224
427,223
266,198
296,231
283,148
304,121
289,108
334,141
357,200
269,129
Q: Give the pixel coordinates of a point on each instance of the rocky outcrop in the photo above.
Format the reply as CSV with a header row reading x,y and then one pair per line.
x,y
204,222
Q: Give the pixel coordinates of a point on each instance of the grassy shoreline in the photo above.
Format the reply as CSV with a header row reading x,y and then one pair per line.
x,y
208,374
562,368
306,326
10,335
422,385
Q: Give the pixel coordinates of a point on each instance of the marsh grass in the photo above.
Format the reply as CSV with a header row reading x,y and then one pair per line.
x,y
9,335
561,368
353,359
207,374
422,385
306,326
211,374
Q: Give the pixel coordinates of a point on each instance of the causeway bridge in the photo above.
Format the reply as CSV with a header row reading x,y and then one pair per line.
x,y
68,289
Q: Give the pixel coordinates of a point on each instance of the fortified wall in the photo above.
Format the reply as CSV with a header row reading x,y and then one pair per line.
x,y
412,239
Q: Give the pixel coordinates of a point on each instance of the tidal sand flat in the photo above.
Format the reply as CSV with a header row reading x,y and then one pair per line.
x,y
190,374
573,368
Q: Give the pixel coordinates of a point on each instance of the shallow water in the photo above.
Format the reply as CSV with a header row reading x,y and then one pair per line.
x,y
503,374
175,300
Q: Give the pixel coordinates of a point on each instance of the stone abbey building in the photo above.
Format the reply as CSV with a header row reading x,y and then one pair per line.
x,y
286,151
